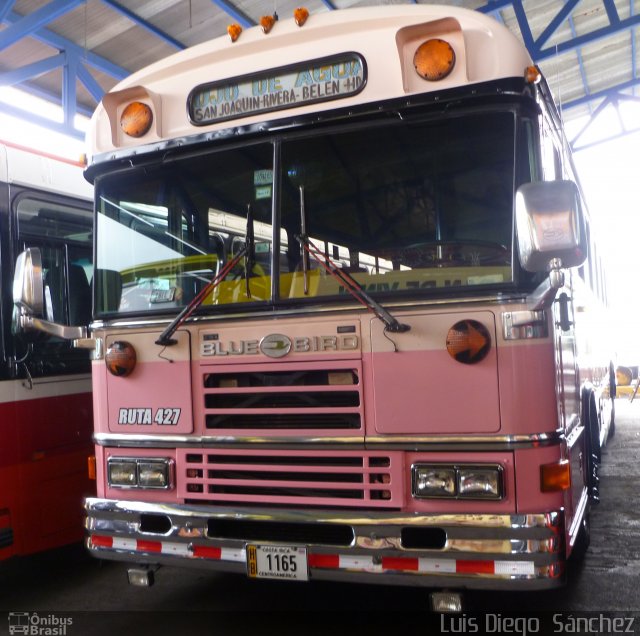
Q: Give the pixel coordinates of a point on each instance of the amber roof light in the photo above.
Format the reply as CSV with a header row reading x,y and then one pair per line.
x,y
136,119
434,59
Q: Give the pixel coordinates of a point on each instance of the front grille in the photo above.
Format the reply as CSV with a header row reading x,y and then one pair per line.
x,y
317,478
292,397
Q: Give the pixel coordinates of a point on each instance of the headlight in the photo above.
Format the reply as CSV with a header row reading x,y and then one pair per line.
x,y
132,472
123,473
480,482
153,474
434,481
457,481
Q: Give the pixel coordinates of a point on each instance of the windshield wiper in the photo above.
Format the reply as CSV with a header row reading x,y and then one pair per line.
x,y
165,338
351,285
249,250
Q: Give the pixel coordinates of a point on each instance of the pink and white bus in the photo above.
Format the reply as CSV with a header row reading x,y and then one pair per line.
x,y
45,385
341,269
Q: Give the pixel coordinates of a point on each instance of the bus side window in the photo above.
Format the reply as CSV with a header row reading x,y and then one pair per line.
x,y
62,229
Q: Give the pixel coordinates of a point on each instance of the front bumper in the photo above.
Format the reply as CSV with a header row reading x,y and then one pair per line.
x,y
476,551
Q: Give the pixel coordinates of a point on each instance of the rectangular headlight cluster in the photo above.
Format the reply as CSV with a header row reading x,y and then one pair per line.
x,y
139,472
457,481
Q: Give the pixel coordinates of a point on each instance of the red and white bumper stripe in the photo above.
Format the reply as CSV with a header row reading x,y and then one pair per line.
x,y
323,561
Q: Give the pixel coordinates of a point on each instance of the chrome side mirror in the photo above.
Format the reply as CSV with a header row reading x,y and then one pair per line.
x,y
550,226
28,298
28,286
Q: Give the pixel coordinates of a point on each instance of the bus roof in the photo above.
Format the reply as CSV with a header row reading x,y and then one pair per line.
x,y
384,38
42,171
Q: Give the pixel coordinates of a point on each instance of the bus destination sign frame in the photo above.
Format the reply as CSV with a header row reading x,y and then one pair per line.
x,y
300,84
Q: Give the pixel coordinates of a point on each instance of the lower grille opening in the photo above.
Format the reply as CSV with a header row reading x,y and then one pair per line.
x,y
280,421
265,491
306,533
155,524
423,538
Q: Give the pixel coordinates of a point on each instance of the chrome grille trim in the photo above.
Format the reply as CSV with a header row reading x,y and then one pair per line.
x,y
365,479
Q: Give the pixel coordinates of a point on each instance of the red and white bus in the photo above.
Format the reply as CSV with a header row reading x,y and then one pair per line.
x,y
46,419
341,269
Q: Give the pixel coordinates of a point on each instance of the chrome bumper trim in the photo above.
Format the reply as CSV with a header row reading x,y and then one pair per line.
x,y
480,551
387,442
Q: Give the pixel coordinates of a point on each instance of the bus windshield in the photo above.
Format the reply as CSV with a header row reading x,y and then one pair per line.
x,y
406,207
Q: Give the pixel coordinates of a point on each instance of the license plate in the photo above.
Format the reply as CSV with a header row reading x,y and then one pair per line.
x,y
277,562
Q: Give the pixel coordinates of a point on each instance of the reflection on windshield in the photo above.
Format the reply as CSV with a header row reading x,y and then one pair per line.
x,y
404,208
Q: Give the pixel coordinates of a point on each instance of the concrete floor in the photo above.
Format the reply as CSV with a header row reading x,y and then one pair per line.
x,y
96,597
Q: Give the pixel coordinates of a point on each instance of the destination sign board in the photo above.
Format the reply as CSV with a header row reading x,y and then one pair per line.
x,y
299,84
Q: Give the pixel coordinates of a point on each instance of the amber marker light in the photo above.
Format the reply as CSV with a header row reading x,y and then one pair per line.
x,y
555,477
234,31
434,59
300,15
532,75
136,119
267,22
468,341
91,467
120,358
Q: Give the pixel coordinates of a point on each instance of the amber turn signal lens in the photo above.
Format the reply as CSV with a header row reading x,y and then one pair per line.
x,y
532,75
120,358
136,119
434,59
468,341
300,15
555,477
234,31
267,22
91,467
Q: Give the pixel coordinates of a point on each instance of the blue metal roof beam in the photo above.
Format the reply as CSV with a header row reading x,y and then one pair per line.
x,y
62,44
555,24
116,6
72,58
8,5
616,24
634,68
609,100
27,25
617,90
49,124
583,73
576,42
612,95
29,71
229,8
